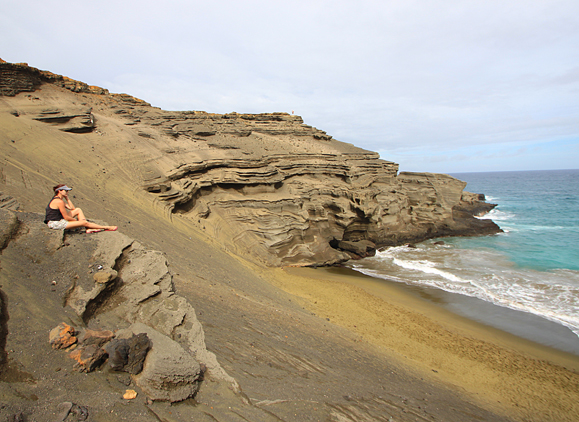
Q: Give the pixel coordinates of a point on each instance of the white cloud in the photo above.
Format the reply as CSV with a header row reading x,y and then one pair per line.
x,y
399,77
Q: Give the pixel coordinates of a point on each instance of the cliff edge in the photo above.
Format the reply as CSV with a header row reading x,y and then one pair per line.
x,y
266,186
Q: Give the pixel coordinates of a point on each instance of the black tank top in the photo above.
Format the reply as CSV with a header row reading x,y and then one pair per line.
x,y
51,214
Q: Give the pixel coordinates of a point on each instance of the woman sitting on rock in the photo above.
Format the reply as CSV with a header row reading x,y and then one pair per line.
x,y
62,214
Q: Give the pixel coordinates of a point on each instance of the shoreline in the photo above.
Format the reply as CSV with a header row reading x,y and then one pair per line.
x,y
523,325
506,373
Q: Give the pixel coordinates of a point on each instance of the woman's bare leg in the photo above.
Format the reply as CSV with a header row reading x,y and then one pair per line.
x,y
88,225
78,214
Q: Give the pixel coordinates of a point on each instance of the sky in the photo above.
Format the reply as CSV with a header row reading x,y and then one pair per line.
x,y
438,86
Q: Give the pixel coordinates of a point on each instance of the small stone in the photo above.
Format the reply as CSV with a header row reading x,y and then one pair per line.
x,y
88,358
17,417
62,336
124,379
53,282
80,412
104,276
130,395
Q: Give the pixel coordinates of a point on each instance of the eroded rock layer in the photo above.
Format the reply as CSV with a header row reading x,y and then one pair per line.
x,y
266,185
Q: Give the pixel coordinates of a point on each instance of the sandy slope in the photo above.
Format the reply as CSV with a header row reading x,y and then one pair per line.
x,y
290,363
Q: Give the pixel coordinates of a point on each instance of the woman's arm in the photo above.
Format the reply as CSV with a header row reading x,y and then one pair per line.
x,y
64,211
68,204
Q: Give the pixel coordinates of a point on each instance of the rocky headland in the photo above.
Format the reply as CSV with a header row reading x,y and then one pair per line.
x,y
267,184
210,207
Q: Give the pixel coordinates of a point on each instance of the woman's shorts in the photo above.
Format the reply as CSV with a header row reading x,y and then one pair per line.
x,y
57,225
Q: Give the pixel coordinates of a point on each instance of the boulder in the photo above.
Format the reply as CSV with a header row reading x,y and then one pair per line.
x,y
128,355
474,204
169,373
8,226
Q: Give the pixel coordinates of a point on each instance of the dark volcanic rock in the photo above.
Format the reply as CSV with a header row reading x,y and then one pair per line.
x,y
128,355
118,351
361,248
169,373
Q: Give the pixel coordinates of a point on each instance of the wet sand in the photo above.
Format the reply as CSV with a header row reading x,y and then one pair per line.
x,y
521,324
520,378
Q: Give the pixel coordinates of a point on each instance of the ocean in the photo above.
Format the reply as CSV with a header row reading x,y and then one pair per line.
x,y
531,268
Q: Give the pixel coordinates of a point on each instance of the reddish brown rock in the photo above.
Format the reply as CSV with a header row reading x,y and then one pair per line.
x,y
62,336
88,358
96,337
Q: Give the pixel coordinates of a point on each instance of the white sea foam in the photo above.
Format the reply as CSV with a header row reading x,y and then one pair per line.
x,y
497,215
483,274
428,268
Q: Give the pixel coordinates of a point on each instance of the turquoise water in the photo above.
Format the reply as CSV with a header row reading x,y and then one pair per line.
x,y
539,210
532,267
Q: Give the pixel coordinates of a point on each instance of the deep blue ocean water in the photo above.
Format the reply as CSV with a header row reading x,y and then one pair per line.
x,y
532,267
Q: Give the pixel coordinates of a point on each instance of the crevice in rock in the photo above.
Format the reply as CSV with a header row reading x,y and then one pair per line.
x,y
148,298
102,300
122,260
68,293
185,206
175,327
87,129
107,297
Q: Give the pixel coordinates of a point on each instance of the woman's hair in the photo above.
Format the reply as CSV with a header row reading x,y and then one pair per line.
x,y
57,187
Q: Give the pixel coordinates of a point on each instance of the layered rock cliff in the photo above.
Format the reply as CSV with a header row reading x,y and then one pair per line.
x,y
266,185
199,186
